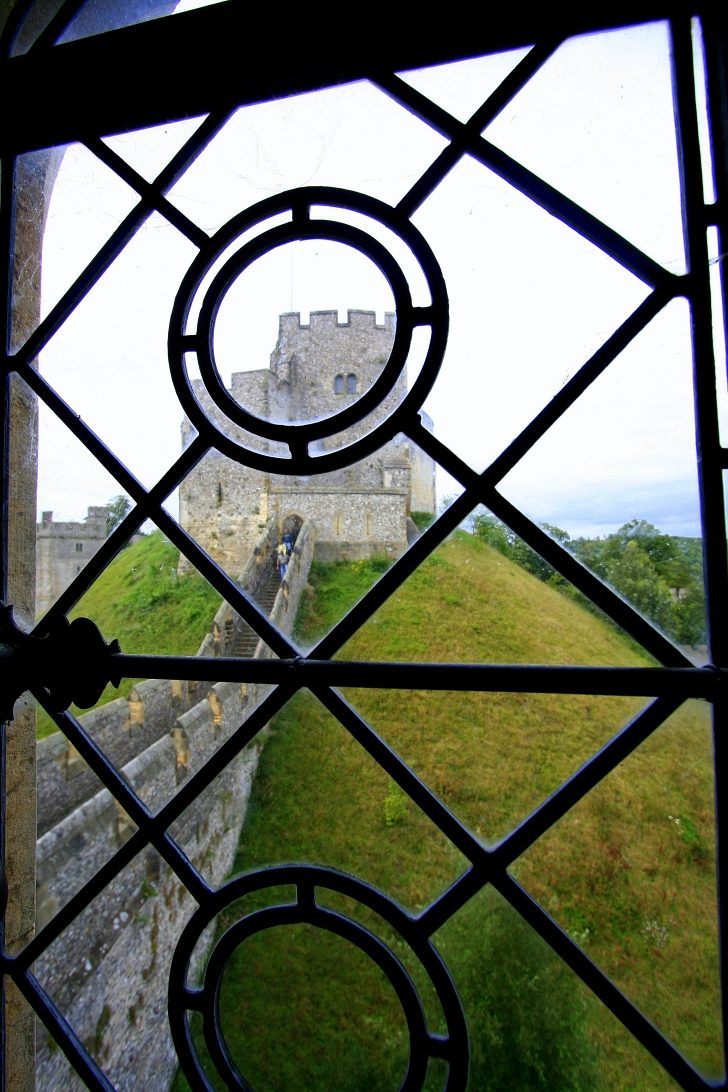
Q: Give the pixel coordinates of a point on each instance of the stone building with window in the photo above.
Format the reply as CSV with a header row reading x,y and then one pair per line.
x,y
62,550
358,512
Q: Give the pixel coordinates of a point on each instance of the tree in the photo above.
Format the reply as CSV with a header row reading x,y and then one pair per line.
x,y
655,572
117,509
503,539
658,574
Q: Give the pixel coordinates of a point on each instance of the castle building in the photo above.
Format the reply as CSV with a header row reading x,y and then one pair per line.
x,y
62,550
358,512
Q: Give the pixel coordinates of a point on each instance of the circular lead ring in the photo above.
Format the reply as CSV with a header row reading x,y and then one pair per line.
x,y
301,227
306,878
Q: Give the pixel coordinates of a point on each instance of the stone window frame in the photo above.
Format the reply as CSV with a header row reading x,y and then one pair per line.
x,y
404,48
351,384
339,384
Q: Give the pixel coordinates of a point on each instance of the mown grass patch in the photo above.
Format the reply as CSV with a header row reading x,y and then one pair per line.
x,y
139,600
333,589
629,872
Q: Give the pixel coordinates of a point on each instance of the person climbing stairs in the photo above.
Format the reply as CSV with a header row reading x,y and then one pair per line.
x,y
245,639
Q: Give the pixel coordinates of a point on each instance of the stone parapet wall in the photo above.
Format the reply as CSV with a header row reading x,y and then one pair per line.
x,y
294,582
109,973
218,641
127,726
122,728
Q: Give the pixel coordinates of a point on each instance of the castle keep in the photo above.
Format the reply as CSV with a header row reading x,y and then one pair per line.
x,y
358,512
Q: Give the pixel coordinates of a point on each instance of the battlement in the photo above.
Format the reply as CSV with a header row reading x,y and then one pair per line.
x,y
290,322
93,527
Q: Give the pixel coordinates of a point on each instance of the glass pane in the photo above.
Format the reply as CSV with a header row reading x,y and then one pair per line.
x,y
532,1023
308,549
530,302
349,1030
597,122
629,503
462,87
109,359
75,497
303,332
318,797
108,974
148,151
493,758
351,136
484,598
702,105
333,806
630,874
87,203
313,350
143,599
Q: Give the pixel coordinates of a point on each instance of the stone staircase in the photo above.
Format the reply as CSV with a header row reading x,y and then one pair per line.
x,y
245,640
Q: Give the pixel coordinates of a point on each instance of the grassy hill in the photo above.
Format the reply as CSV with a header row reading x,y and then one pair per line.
x,y
629,872
140,601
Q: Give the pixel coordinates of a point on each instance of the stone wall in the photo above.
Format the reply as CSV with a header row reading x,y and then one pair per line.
x,y
352,525
122,728
109,971
227,622
294,582
63,549
308,360
225,505
423,492
35,175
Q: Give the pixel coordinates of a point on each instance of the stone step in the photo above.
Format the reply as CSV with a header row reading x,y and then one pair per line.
x,y
246,640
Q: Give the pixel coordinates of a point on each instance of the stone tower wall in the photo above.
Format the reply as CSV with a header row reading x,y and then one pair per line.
x,y
62,550
307,359
359,511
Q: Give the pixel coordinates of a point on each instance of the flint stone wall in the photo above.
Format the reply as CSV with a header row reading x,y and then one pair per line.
x,y
293,583
224,505
109,970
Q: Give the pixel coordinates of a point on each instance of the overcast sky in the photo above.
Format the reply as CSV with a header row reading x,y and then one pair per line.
x,y
530,300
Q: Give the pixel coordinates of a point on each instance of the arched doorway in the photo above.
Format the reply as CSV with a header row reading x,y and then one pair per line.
x,y
290,527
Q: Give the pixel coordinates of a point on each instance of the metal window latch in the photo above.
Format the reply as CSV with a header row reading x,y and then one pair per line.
x,y
73,663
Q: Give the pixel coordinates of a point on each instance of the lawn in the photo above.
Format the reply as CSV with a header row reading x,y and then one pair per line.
x,y
139,600
629,872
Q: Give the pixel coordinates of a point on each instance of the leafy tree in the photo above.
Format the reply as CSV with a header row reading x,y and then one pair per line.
x,y
688,616
636,577
117,509
659,574
504,540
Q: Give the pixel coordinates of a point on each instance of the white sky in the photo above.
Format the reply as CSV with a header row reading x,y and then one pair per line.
x,y
530,300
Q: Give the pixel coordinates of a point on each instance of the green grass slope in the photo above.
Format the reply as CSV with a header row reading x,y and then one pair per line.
x,y
139,600
629,872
